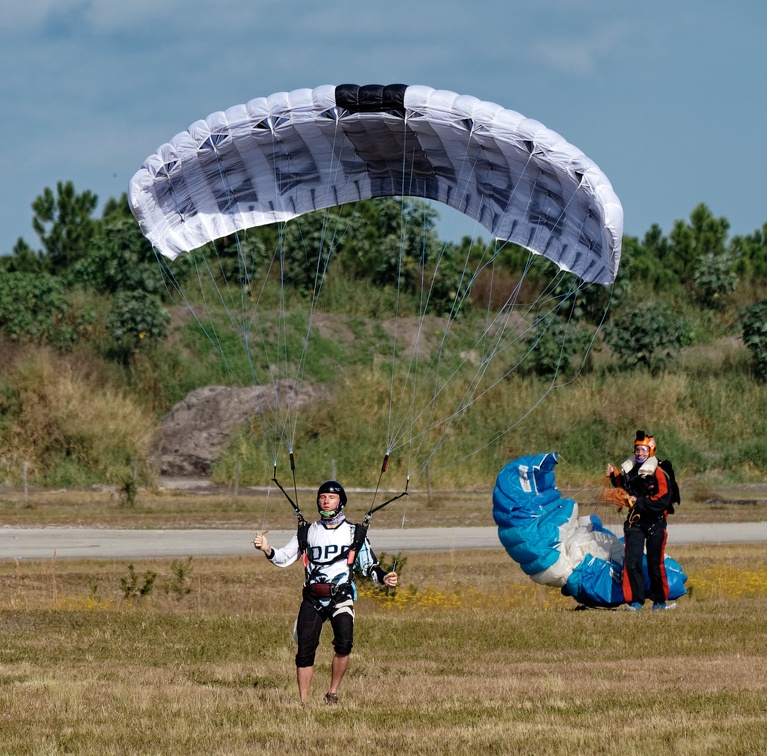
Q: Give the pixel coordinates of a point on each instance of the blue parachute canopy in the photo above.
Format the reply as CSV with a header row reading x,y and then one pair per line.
x,y
541,530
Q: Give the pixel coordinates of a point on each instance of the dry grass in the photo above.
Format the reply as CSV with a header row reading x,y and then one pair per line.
x,y
252,508
64,430
469,656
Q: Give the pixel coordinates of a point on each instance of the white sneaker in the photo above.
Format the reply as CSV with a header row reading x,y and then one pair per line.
x,y
662,606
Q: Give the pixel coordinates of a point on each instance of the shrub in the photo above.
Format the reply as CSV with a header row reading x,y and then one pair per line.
x,y
136,318
714,278
647,335
555,347
754,323
180,571
37,307
70,430
133,587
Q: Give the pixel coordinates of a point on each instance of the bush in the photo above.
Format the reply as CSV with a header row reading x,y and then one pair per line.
x,y
37,307
555,347
136,318
647,335
714,279
132,587
754,323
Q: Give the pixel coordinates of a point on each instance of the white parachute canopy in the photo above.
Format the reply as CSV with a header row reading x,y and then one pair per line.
x,y
281,156
274,159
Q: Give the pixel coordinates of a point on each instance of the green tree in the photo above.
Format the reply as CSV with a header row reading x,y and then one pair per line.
x,y
556,346
64,223
120,258
23,259
750,253
689,242
647,264
392,242
714,279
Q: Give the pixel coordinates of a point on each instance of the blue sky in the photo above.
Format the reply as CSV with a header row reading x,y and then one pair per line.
x,y
666,97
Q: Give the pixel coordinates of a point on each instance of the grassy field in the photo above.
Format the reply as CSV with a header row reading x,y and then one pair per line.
x,y
221,507
468,656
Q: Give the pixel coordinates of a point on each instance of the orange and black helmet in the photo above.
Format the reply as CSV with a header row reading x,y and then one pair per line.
x,y
642,439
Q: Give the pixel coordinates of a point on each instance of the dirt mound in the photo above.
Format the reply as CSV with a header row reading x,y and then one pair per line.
x,y
194,433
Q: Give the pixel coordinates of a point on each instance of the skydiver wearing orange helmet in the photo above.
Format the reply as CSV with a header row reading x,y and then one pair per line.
x,y
647,486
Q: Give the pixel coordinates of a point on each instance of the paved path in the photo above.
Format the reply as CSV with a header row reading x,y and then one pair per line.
x,y
93,543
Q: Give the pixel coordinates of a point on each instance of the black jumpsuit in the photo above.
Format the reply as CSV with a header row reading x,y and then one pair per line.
x,y
645,526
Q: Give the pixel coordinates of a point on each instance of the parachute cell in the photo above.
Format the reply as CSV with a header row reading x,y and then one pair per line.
x,y
278,157
541,530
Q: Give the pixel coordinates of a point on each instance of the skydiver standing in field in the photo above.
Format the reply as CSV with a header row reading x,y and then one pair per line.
x,y
329,548
650,497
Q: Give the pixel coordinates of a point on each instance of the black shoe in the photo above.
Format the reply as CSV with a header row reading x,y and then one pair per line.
x,y
331,698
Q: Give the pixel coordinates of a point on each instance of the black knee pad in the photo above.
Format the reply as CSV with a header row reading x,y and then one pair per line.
x,y
343,632
305,659
343,647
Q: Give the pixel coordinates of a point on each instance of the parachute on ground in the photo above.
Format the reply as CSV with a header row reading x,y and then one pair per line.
x,y
542,531
276,158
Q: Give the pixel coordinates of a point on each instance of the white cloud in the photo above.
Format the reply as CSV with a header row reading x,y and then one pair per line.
x,y
581,55
109,16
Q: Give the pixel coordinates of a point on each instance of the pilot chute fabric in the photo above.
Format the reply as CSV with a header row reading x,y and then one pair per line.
x,y
541,530
277,157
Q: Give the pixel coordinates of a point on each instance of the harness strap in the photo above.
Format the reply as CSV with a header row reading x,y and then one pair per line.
x,y
360,534
303,542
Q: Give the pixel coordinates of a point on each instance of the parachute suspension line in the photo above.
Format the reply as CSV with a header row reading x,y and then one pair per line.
x,y
203,272
397,302
271,429
324,251
242,324
276,427
282,343
582,285
470,395
268,496
472,384
552,385
169,276
414,360
243,284
320,275
384,468
425,296
239,324
296,510
464,290
293,473
405,413
374,508
508,308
